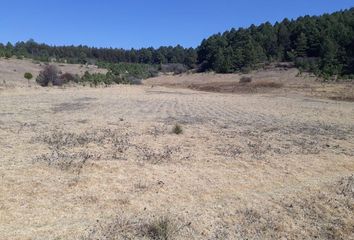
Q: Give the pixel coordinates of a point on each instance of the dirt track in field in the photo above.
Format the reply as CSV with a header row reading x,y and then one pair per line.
x,y
83,163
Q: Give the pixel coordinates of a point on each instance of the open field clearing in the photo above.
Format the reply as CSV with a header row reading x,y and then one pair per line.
x,y
103,163
278,80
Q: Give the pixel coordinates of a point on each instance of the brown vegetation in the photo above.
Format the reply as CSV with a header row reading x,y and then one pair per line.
x,y
104,163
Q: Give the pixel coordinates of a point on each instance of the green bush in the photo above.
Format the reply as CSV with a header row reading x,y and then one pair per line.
x,y
177,129
126,71
28,76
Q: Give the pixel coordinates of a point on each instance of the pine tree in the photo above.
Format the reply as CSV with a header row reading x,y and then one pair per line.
x,y
301,45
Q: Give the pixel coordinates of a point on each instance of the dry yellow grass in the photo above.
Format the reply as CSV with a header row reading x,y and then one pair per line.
x,y
103,163
273,80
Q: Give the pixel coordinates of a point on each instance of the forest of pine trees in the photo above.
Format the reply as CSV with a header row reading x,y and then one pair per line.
x,y
323,45
320,44
85,54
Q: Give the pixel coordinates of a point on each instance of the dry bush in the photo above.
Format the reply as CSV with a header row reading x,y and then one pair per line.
x,y
267,84
229,150
155,228
245,79
49,75
157,130
59,138
68,77
175,68
156,156
346,187
65,161
70,151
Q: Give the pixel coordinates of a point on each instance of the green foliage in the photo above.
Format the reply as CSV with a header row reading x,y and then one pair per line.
x,y
84,54
177,129
28,76
96,79
301,45
323,45
130,73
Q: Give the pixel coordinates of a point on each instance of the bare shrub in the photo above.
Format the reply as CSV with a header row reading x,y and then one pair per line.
x,y
346,186
161,229
70,150
245,79
134,80
175,68
59,139
65,161
49,75
156,156
266,84
68,77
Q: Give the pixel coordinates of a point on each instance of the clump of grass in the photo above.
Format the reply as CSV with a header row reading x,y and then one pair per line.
x,y
177,129
160,229
133,227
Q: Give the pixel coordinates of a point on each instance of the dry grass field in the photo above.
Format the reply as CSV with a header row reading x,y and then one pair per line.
x,y
104,163
276,80
12,71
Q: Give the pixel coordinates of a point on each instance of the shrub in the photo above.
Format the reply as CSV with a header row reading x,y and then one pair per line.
x,y
126,70
49,75
245,80
176,68
177,129
266,84
97,78
28,76
134,81
68,77
160,229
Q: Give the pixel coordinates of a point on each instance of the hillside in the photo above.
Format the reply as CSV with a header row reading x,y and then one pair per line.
x,y
12,71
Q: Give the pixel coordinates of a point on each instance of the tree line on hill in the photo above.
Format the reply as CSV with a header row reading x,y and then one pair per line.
x,y
84,54
320,44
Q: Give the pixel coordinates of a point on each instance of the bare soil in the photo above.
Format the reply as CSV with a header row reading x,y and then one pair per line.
x,y
104,163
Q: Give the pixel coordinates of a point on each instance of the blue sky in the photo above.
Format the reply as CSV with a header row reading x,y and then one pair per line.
x,y
138,23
